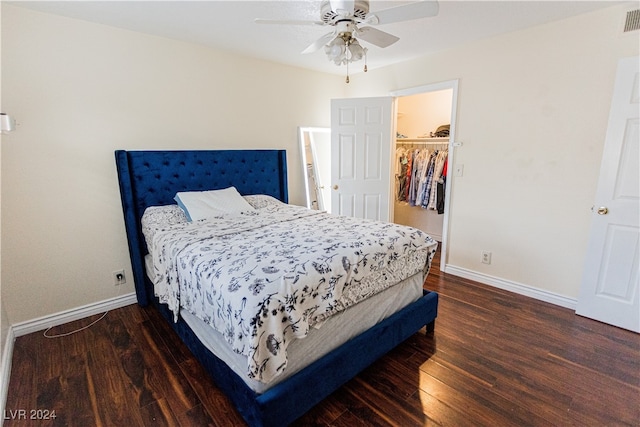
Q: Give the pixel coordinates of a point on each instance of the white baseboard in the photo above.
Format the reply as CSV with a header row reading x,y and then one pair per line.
x,y
515,287
5,370
29,326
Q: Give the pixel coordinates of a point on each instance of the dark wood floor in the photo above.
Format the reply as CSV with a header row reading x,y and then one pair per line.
x,y
495,359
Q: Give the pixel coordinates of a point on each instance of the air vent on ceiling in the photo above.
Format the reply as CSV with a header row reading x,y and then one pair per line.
x,y
632,22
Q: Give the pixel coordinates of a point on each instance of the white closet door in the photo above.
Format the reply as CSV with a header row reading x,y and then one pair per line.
x,y
361,141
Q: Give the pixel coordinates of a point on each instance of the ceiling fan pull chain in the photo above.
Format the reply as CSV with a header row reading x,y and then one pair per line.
x,y
365,60
347,72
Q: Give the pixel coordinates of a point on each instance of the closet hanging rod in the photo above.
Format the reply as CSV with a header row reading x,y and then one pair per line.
x,y
437,147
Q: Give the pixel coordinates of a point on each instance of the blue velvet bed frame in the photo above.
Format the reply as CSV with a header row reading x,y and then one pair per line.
x,y
150,178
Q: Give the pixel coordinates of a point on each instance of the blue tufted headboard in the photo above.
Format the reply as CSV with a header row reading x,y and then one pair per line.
x,y
152,178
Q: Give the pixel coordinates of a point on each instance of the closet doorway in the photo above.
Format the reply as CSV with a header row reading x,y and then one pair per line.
x,y
421,150
421,111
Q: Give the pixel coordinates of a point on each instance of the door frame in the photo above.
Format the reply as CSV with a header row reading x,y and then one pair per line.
x,y
449,84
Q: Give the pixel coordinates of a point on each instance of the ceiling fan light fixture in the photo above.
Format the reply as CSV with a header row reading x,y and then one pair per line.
x,y
344,49
356,52
336,50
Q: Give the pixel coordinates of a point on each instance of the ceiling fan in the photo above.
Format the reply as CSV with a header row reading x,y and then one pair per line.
x,y
351,19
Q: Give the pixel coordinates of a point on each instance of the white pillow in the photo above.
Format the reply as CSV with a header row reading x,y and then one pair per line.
x,y
204,204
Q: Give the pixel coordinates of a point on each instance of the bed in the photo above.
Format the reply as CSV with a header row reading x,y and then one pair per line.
x,y
266,392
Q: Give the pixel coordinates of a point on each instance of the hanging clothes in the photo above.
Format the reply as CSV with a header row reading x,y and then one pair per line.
x,y
440,160
420,177
402,163
422,174
420,158
441,190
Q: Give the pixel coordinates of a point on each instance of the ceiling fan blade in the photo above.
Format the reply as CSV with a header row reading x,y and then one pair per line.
x,y
275,21
376,37
342,7
407,12
315,46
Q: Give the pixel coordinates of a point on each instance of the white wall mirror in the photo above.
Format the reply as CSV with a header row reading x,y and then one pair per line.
x,y
315,148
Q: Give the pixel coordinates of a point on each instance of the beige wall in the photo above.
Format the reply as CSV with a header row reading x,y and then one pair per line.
x,y
82,90
4,320
423,113
532,114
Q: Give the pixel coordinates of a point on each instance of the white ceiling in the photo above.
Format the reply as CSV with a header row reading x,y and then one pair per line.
x,y
230,25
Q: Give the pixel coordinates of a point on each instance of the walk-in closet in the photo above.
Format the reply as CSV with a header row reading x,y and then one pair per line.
x,y
421,150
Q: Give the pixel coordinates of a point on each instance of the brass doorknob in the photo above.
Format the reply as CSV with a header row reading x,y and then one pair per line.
x,y
602,210
335,187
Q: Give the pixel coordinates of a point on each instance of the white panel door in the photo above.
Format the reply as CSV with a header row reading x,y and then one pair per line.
x,y
361,141
611,284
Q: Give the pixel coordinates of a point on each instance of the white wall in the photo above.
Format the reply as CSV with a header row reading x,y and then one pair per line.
x,y
81,91
532,114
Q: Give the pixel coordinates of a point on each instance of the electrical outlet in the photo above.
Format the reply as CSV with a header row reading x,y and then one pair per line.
x,y
486,257
119,278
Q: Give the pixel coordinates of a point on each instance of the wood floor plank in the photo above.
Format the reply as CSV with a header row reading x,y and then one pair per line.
x,y
472,405
132,314
158,413
176,347
222,410
197,416
78,409
600,412
165,374
138,372
23,382
122,328
386,408
620,363
325,414
596,397
437,412
360,413
113,403
392,378
495,358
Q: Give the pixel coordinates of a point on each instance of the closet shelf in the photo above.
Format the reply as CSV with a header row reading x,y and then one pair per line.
x,y
423,140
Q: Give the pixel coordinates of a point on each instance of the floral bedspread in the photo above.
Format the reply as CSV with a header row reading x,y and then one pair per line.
x,y
265,277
